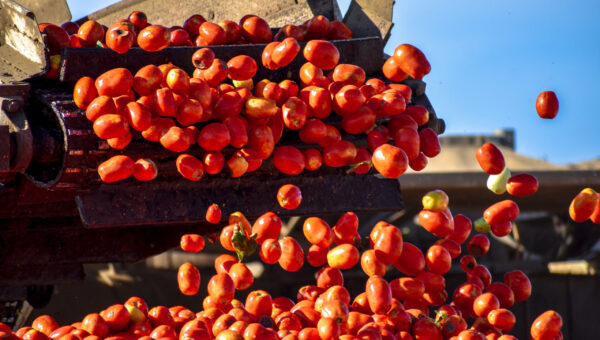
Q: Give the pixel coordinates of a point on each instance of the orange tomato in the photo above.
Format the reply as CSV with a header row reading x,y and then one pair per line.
x,y
317,231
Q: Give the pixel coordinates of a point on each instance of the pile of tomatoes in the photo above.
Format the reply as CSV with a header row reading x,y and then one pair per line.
x,y
136,31
220,107
398,309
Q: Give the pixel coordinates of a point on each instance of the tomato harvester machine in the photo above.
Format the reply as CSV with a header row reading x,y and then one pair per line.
x,y
56,215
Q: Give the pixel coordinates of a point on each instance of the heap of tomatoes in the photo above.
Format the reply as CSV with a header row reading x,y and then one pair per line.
x,y
136,31
415,305
220,107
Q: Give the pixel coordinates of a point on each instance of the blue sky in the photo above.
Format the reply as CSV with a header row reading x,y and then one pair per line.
x,y
490,60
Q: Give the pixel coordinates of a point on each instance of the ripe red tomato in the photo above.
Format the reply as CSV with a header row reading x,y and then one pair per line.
x,y
241,67
191,243
438,259
490,159
267,226
502,319
114,82
95,325
322,54
189,167
188,279
546,326
522,185
379,294
242,276
503,211
120,40
344,256
546,105
430,144
84,92
289,160
478,245
154,38
411,261
370,264
583,205
519,283
412,61
339,153
338,31
285,52
221,287
409,141
90,33
295,113
116,168
289,196
256,30
317,231
393,71
359,121
292,255
390,161
270,251
214,137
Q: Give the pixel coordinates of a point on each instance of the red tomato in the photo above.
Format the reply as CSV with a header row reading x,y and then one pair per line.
x,y
267,226
359,121
174,140
310,74
289,160
84,92
393,71
188,279
116,168
270,251
490,159
213,214
546,105
214,137
295,113
216,73
213,162
292,255
90,33
313,131
546,326
313,158
438,259
583,205
387,242
241,67
338,31
114,83
322,54
379,294
154,38
192,243
316,255
289,196
348,99
203,58
390,161
211,34
339,153
99,106
318,101
478,245
266,56
519,283
522,185
411,261
285,52
120,40
260,138
412,61
502,319
317,231
503,211
409,141
189,167
221,287
256,30
430,144
370,264
344,256
242,276
462,229
145,170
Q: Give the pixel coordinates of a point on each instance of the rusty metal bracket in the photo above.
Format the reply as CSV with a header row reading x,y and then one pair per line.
x,y
18,150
